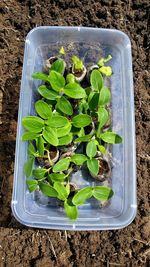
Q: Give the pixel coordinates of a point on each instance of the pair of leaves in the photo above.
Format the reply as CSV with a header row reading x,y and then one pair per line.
x,y
72,90
102,61
57,190
101,193
99,99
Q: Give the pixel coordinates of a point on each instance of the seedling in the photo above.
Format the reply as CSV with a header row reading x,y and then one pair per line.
x,y
69,115
78,68
106,70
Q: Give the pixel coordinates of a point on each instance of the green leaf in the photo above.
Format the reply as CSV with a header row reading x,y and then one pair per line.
x,y
106,70
81,120
102,193
74,90
61,190
47,190
78,159
56,80
43,109
57,121
104,96
31,150
33,124
47,93
29,136
93,166
64,106
102,149
40,76
63,131
84,138
60,177
32,185
28,167
61,165
65,140
58,66
93,100
40,145
96,80
103,116
71,210
91,149
39,173
50,136
82,195
111,138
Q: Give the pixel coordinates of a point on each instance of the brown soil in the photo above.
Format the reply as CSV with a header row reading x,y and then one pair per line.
x,y
104,168
21,246
78,73
44,162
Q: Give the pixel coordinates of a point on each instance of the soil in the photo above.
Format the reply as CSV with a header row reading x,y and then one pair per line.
x,y
21,246
78,73
44,162
104,168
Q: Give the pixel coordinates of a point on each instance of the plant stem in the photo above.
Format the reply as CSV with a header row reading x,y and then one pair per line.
x,y
98,131
49,159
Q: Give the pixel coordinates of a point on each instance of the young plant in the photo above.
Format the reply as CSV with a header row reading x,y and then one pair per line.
x,y
105,70
78,68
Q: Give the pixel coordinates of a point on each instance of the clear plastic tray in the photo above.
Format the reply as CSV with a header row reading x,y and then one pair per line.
x,y
33,209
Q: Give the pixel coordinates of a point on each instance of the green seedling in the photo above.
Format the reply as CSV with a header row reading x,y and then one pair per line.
x,y
67,116
105,70
77,63
62,51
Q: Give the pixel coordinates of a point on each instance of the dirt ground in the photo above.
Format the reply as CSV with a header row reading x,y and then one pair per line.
x,y
21,246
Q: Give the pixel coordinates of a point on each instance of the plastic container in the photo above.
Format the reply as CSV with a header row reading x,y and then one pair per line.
x,y
90,43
